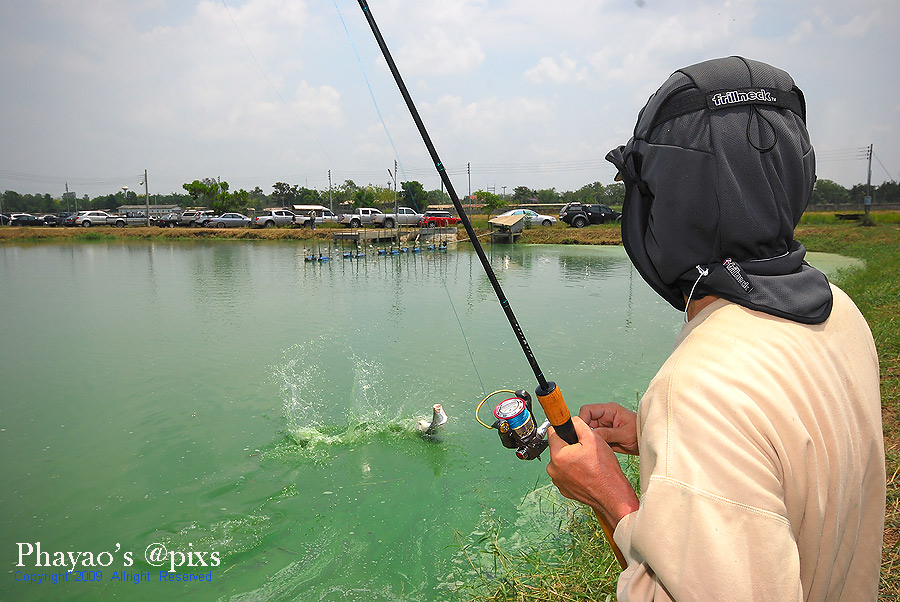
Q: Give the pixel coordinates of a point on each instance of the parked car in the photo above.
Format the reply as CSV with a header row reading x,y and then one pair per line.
x,y
70,220
203,217
187,217
274,217
170,220
229,220
56,219
195,218
532,218
129,218
405,216
361,215
438,219
323,214
25,219
4,219
86,219
580,215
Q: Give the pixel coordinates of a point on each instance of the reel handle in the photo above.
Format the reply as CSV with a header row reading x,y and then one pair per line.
x,y
557,413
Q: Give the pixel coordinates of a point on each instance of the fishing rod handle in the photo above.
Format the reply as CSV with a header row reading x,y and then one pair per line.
x,y
557,413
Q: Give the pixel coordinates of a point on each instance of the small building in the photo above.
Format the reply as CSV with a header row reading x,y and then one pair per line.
x,y
506,228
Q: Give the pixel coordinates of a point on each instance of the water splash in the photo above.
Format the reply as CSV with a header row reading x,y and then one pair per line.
x,y
320,416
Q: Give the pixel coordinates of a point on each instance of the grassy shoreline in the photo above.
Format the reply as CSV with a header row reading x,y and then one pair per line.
x,y
582,571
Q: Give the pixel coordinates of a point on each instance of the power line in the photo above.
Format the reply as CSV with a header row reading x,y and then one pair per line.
x,y
843,154
62,180
889,175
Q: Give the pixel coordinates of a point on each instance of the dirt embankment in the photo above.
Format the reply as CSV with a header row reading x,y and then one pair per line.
x,y
559,234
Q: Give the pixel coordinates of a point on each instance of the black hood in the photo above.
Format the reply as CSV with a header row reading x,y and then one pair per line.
x,y
717,175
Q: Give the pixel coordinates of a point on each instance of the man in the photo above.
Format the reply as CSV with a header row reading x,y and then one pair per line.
x,y
761,449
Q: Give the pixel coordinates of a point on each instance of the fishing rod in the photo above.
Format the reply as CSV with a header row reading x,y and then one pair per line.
x,y
514,421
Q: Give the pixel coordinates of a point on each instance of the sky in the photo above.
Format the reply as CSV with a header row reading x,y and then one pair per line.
x,y
512,92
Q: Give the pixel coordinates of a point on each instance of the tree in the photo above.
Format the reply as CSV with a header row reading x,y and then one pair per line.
x,y
612,194
363,197
344,193
13,202
384,195
308,196
284,195
240,200
258,198
522,195
413,195
548,195
888,192
490,200
435,197
826,192
213,194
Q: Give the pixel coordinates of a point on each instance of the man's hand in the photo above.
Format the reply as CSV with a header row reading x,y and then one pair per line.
x,y
617,425
589,472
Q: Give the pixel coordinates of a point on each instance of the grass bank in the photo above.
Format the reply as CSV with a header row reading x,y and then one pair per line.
x,y
581,569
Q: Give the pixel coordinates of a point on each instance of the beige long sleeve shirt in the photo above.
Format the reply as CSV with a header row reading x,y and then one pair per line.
x,y
762,463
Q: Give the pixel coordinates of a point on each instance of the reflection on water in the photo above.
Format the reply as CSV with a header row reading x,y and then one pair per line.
x,y
232,397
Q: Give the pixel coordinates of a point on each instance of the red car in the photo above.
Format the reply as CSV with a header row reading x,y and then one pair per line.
x,y
438,219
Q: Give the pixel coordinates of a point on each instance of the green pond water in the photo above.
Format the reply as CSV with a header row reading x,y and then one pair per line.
x,y
230,404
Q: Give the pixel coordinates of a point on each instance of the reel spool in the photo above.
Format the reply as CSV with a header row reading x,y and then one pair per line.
x,y
516,426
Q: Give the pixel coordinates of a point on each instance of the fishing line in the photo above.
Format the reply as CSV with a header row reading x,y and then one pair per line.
x,y
549,395
374,102
403,173
463,331
269,81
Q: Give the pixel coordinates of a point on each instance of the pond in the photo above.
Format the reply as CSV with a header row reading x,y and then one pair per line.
x,y
234,409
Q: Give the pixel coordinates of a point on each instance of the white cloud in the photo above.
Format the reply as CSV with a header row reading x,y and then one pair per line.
x,y
859,25
271,87
438,52
563,70
488,118
801,32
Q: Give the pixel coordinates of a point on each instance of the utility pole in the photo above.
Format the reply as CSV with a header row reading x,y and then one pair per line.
x,y
396,208
330,202
469,170
147,198
868,200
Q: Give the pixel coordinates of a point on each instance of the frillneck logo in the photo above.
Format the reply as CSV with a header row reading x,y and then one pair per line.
x,y
735,97
735,270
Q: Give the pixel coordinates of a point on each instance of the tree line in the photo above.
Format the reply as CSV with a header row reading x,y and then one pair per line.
x,y
827,192
217,195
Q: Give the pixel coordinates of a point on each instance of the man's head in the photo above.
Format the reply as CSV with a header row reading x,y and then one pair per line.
x,y
717,175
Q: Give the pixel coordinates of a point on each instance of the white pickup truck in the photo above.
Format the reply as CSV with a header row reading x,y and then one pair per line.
x,y
404,216
361,215
274,217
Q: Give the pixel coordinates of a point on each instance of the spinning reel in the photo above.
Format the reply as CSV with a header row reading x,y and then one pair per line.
x,y
516,425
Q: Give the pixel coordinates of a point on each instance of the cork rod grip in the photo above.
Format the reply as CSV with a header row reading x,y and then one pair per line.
x,y
557,413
